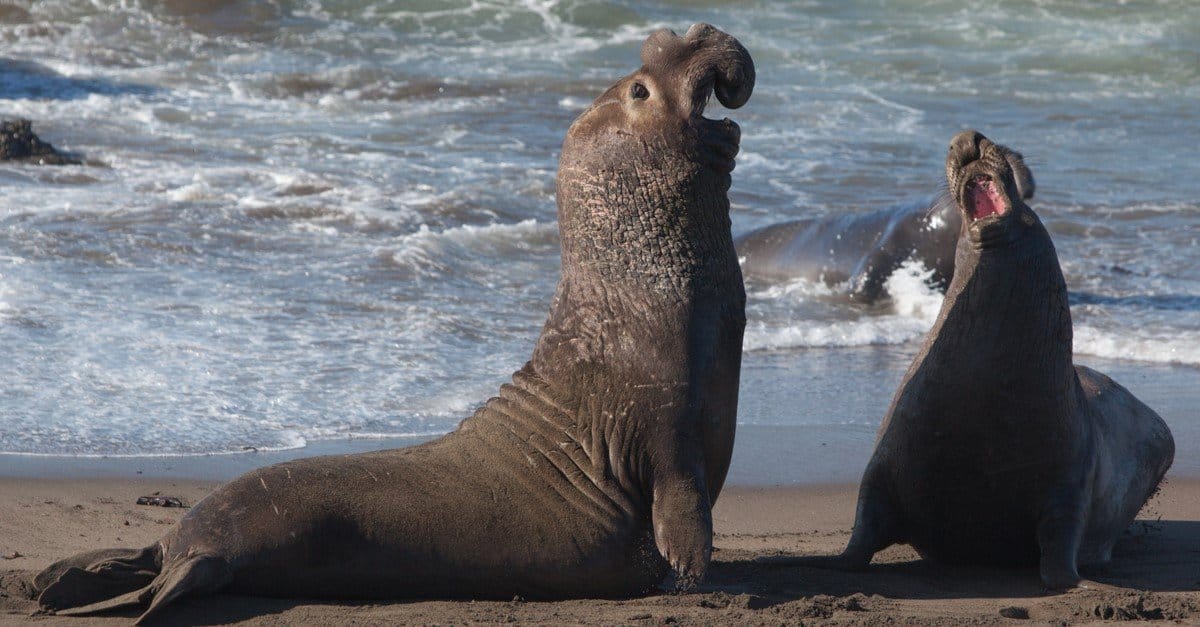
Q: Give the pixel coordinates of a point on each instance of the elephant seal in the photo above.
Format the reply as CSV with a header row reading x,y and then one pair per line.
x,y
592,473
997,450
859,251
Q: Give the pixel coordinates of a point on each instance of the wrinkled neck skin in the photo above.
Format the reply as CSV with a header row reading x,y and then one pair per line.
x,y
654,221
645,233
1005,310
651,298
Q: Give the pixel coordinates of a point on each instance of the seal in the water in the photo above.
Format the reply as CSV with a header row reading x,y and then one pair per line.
x,y
594,472
996,449
857,252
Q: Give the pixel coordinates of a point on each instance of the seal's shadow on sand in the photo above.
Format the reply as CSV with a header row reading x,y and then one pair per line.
x,y
1157,556
221,609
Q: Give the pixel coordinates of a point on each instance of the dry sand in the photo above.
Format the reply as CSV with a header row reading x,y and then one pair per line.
x,y
1156,567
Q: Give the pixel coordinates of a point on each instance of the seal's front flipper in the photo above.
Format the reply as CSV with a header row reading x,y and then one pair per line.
x,y
96,576
1059,533
876,527
868,282
682,517
877,524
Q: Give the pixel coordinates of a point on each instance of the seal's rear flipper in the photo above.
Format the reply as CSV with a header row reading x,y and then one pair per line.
x,y
197,574
111,579
96,576
79,578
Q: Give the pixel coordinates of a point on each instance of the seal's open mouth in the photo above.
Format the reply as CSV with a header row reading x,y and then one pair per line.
x,y
983,199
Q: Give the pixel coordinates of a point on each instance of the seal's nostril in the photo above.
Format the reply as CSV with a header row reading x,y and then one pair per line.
x,y
709,62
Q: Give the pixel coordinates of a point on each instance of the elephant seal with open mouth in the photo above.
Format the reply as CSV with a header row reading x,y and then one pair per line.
x,y
593,473
997,450
857,252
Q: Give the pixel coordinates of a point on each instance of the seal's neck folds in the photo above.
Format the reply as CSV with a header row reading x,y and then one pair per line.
x,y
654,218
1007,308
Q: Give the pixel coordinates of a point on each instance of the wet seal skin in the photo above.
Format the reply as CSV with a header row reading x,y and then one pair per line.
x,y
861,250
593,473
997,450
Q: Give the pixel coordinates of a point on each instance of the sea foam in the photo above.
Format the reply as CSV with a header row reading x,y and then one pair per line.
x,y
1174,347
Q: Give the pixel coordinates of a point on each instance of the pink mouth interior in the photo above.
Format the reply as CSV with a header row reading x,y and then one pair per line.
x,y
984,198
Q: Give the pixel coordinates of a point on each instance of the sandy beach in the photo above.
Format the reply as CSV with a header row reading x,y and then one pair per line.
x,y
1155,572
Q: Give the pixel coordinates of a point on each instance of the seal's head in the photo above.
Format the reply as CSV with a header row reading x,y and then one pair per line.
x,y
990,184
661,105
643,174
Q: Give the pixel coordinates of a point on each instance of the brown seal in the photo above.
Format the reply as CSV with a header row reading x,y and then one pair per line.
x,y
997,450
857,252
594,472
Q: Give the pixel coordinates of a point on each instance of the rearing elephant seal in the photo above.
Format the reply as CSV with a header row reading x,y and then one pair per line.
x,y
997,450
857,252
594,472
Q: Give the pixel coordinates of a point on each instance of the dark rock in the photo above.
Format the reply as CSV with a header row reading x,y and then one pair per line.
x,y
161,501
19,143
1014,612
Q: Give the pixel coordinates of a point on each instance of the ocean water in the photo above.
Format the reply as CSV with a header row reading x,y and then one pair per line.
x,y
306,222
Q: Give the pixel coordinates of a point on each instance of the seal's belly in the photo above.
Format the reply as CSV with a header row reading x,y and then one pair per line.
x,y
982,513
435,521
437,566
975,531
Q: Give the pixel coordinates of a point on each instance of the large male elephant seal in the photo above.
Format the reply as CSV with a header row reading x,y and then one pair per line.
x,y
859,251
996,449
594,472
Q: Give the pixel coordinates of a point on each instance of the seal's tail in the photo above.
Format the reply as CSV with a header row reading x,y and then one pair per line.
x,y
110,579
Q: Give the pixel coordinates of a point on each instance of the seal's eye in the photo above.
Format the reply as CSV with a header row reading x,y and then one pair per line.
x,y
639,91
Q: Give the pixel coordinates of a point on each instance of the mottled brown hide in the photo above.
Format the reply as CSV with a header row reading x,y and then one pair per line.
x,y
594,471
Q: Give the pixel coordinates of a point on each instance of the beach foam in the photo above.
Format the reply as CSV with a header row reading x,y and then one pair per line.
x,y
335,219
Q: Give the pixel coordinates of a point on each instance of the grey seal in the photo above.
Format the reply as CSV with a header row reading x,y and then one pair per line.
x,y
592,473
859,251
997,449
